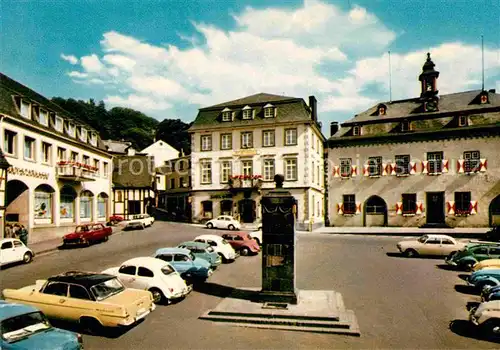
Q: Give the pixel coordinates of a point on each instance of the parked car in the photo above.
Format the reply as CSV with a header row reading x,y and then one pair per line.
x,y
242,242
431,245
493,234
115,219
154,275
490,293
203,251
257,236
25,327
188,266
13,250
487,317
224,221
92,299
87,234
220,245
473,253
140,221
487,264
482,278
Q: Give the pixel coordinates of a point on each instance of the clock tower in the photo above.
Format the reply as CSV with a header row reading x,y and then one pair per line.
x,y
428,79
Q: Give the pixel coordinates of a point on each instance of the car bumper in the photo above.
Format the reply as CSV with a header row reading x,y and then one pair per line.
x,y
183,293
131,320
450,262
473,318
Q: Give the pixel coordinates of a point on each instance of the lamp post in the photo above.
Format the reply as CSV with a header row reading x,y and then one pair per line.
x,y
4,166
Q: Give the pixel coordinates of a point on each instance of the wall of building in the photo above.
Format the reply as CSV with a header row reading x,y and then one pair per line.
x,y
161,152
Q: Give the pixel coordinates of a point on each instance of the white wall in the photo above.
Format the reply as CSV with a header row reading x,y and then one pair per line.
x,y
161,151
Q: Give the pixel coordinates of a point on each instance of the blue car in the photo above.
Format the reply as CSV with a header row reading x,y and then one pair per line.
x,y
490,293
186,264
486,277
204,251
25,327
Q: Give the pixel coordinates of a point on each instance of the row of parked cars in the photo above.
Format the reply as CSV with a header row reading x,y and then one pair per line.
x,y
119,296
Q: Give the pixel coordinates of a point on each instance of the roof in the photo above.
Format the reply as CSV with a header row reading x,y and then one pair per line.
x,y
133,171
212,237
259,98
160,144
146,261
8,310
172,250
86,279
117,146
437,236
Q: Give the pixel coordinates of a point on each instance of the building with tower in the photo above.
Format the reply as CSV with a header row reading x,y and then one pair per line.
x,y
426,161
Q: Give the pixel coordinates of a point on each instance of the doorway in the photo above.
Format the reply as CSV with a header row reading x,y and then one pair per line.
x,y
494,212
247,210
435,208
375,212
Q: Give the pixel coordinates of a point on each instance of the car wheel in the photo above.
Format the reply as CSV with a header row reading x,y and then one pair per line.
x,y
106,238
143,227
158,296
466,266
411,253
223,258
244,251
27,257
231,227
91,325
491,327
210,225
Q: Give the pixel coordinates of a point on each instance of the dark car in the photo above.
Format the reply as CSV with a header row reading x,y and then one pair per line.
x,y
87,234
493,234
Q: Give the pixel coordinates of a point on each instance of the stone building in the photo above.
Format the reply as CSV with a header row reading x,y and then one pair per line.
x,y
238,147
427,161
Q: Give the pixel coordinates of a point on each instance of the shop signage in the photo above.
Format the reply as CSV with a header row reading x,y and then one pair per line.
x,y
28,172
221,196
245,152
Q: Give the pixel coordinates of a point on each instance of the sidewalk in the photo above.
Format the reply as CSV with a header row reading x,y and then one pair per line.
x,y
405,231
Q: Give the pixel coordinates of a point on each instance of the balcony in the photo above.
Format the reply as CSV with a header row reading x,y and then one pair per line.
x,y
245,182
74,171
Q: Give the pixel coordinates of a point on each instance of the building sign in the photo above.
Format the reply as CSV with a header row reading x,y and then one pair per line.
x,y
221,196
28,172
245,152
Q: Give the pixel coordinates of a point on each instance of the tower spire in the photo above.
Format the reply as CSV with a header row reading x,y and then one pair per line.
x,y
482,63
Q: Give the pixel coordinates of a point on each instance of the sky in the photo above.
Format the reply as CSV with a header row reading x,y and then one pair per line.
x,y
167,59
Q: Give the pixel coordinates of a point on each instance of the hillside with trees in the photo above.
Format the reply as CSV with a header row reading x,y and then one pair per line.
x,y
127,124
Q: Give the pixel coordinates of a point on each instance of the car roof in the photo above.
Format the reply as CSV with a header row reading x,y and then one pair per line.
x,y
212,237
8,310
239,233
438,236
195,244
146,261
9,240
172,250
83,278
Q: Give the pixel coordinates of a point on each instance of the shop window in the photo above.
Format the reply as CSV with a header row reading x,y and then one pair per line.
x,y
207,207
134,207
86,205
43,204
101,206
67,203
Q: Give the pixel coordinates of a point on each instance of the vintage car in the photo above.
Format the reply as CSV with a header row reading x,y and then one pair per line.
x,y
242,242
473,253
431,245
483,278
25,327
87,234
489,293
92,299
13,250
203,251
188,266
493,234
220,245
257,236
140,221
224,221
487,264
487,317
154,275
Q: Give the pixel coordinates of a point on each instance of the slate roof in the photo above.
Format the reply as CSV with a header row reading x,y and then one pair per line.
x,y
117,146
288,109
9,88
133,171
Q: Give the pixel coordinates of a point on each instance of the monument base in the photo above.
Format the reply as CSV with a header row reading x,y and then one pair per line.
x,y
320,311
277,297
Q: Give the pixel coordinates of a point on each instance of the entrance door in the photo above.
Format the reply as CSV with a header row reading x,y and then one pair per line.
x,y
435,207
247,210
495,212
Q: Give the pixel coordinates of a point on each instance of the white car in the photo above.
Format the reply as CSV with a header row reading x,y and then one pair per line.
x,y
155,275
224,221
257,235
139,221
13,250
440,245
220,245
487,317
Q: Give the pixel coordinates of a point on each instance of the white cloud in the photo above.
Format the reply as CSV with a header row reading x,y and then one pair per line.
x,y
80,75
120,61
70,58
138,102
92,64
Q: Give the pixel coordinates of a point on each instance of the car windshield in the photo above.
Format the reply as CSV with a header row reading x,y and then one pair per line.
x,y
81,229
167,270
210,249
22,326
106,289
422,239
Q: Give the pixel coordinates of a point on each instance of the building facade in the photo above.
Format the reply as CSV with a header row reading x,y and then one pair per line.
x,y
238,147
429,161
161,152
60,174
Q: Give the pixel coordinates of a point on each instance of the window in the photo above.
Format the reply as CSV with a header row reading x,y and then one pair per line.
x,y
290,137
463,120
144,272
78,292
83,134
127,270
172,183
375,205
6,245
74,156
56,288
446,241
206,142
206,172
61,154
29,148
246,139
247,113
225,171
462,202
86,206
291,169
313,174
312,140
246,167
134,207
119,196
356,131
71,129
25,109
86,160
97,165
409,203
269,170
93,139
105,168
268,138
402,164
318,181
375,166
226,116
433,240
182,182
472,161
10,142
66,202
345,167
101,207
349,204
226,141
43,118
43,204
268,112
405,126
435,162
58,124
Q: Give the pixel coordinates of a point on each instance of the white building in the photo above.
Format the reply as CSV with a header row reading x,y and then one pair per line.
x,y
161,152
238,147
60,174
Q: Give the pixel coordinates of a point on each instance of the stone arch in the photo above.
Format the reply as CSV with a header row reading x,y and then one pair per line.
x,y
494,212
375,212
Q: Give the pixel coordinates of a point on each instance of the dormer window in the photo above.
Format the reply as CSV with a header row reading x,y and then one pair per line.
x,y
247,112
405,126
382,109
269,111
463,120
83,134
58,124
43,117
356,130
93,139
71,129
25,109
226,115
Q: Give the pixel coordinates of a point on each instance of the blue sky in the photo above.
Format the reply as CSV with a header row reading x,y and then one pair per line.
x,y
169,58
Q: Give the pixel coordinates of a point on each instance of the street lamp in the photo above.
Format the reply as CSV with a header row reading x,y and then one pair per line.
x,y
4,166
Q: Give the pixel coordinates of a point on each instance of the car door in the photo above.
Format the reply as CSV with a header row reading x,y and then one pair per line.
x,y
448,246
431,246
98,232
79,302
52,300
480,253
126,275
182,263
144,278
19,250
7,252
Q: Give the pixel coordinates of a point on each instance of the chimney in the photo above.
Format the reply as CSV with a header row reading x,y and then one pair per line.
x,y
313,104
334,127
182,152
493,91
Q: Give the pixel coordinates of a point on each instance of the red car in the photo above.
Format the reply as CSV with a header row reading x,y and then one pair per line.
x,y
242,242
87,234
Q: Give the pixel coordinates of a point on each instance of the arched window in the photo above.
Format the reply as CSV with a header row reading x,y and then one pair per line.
x,y
102,200
67,203
375,205
86,199
43,204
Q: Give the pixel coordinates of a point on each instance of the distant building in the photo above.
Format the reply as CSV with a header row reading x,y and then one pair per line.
x,y
119,147
426,161
237,148
161,152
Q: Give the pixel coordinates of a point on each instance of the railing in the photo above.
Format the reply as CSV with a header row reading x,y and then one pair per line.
x,y
75,169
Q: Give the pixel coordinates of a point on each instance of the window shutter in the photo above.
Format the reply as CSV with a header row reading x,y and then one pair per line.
x,y
275,111
425,167
420,208
365,170
473,207
253,113
233,115
354,170
450,207
460,166
482,165
393,168
336,171
399,208
445,165
413,168
340,208
384,169
358,208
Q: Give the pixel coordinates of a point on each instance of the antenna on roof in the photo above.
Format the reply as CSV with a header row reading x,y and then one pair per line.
x,y
390,78
482,62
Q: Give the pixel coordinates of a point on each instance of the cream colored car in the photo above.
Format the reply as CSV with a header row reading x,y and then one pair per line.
x,y
431,245
94,300
487,264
